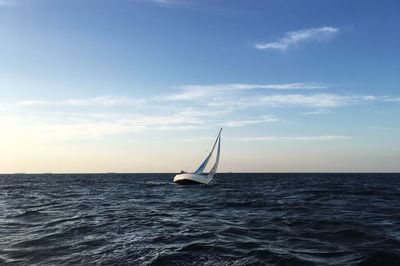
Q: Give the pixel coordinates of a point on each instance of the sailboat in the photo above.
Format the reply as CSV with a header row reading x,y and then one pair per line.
x,y
198,177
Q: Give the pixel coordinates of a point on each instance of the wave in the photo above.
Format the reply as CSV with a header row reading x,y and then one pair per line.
x,y
379,257
30,214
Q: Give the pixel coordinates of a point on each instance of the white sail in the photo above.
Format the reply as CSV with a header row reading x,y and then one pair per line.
x,y
215,166
204,164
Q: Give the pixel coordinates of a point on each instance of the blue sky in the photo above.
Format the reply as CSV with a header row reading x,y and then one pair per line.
x,y
143,86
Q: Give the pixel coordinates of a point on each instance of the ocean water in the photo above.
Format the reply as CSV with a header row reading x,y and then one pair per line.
x,y
243,219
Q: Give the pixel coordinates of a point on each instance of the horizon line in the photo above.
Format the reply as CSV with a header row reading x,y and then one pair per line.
x,y
256,172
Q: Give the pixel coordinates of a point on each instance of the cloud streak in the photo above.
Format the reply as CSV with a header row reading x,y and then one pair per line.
x,y
191,92
293,38
242,123
219,96
276,138
296,138
392,99
55,119
101,101
318,112
230,105
313,100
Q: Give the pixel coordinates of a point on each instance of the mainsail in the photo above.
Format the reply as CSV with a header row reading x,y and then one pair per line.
x,y
214,168
202,166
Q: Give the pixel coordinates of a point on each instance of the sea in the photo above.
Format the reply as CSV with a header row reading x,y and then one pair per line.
x,y
241,219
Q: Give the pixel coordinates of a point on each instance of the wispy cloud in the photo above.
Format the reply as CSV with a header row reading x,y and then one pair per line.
x,y
225,95
240,95
244,86
296,138
191,107
292,38
313,100
51,118
65,127
246,122
191,92
175,121
275,138
105,101
392,99
318,112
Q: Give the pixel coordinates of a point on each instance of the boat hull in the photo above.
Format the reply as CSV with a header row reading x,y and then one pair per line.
x,y
192,179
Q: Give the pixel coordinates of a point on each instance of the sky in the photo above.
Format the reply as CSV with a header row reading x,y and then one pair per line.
x,y
145,85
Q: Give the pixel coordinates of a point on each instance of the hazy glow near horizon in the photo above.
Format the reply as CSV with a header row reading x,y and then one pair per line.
x,y
144,86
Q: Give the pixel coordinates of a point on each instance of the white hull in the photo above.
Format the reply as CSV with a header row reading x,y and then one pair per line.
x,y
192,179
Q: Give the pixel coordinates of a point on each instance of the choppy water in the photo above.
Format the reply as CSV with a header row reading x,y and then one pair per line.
x,y
243,219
